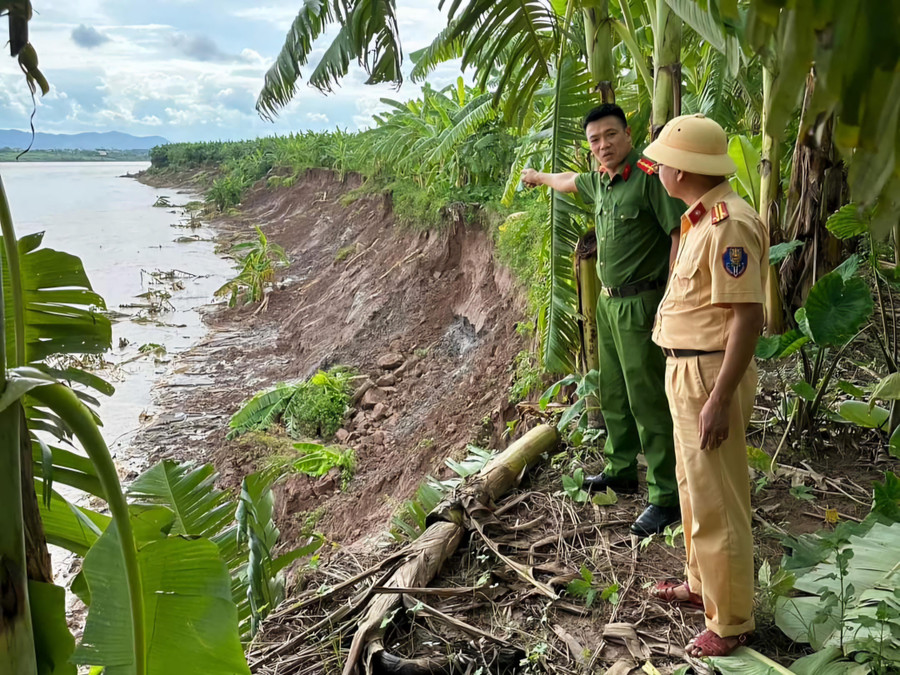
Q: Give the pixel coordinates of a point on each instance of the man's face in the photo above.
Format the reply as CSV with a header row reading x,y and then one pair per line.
x,y
610,141
669,178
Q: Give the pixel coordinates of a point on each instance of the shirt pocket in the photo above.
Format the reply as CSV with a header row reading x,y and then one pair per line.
x,y
685,278
625,221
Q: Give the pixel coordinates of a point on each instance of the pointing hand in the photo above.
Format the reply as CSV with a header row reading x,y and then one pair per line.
x,y
530,178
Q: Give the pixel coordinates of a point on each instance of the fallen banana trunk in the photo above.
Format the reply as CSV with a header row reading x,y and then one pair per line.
x,y
427,554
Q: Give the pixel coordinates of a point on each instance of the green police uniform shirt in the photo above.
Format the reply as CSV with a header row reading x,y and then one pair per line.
x,y
634,218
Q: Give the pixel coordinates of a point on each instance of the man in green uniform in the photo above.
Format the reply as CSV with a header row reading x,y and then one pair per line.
x,y
637,227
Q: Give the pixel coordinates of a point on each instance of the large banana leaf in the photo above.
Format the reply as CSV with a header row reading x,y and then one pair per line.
x,y
53,643
191,620
68,526
200,509
746,158
570,100
872,577
746,661
515,39
368,33
61,308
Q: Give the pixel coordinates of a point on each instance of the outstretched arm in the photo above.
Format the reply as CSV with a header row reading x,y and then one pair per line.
x,y
562,182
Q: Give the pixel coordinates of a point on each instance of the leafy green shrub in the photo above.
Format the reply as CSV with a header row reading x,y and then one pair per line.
x,y
522,242
526,376
312,408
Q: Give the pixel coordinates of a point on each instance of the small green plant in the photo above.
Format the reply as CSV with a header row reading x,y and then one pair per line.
x,y
526,376
572,487
575,420
772,585
258,261
802,492
421,352
162,203
671,534
585,589
344,252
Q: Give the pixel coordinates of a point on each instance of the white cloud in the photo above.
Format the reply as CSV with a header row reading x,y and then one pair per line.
x,y
279,15
194,73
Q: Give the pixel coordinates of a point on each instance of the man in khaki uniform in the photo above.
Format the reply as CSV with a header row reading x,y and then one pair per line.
x,y
707,325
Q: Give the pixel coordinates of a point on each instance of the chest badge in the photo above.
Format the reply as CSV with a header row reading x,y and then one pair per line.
x,y
734,260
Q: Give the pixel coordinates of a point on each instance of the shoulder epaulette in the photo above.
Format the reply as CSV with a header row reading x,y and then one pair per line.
x,y
719,213
646,166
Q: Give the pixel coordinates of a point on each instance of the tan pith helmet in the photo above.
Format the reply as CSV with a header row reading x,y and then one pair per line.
x,y
692,143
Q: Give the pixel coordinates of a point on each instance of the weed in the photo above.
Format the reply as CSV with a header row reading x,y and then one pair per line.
x,y
421,352
526,376
344,252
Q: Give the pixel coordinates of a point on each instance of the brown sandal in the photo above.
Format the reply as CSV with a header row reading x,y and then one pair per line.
x,y
711,644
664,591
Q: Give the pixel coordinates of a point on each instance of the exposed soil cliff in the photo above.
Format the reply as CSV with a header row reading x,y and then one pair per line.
x,y
428,316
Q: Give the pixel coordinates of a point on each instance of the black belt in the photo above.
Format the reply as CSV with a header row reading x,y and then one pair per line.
x,y
633,289
685,353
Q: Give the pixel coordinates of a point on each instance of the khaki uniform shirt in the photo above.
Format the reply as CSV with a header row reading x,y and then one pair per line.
x,y
722,259
634,218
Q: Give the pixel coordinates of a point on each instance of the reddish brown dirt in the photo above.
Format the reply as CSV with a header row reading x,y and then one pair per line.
x,y
435,299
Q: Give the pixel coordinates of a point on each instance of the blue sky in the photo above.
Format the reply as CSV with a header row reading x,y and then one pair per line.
x,y
188,69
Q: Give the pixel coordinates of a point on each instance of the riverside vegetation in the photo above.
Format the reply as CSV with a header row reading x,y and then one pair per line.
x,y
193,568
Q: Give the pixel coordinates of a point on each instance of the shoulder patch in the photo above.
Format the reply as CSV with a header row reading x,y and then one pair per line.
x,y
734,260
646,166
719,213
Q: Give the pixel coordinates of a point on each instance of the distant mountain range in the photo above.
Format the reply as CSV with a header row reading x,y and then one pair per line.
x,y
108,140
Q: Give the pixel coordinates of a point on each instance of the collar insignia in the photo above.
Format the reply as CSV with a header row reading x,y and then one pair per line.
x,y
646,166
697,213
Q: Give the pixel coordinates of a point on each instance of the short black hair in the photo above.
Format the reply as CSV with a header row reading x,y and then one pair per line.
x,y
605,110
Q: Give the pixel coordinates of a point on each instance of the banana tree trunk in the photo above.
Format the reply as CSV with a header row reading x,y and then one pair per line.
x,y
667,68
16,637
427,554
37,557
598,47
588,290
769,199
816,190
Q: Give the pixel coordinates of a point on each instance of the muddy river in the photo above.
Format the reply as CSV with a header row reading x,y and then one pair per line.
x,y
129,249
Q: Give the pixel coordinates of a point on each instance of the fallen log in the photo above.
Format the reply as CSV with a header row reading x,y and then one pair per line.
x,y
425,556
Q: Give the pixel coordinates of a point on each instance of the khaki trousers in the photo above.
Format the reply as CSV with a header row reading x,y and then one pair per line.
x,y
714,489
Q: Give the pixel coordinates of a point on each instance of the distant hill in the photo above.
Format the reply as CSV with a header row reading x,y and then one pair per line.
x,y
108,140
